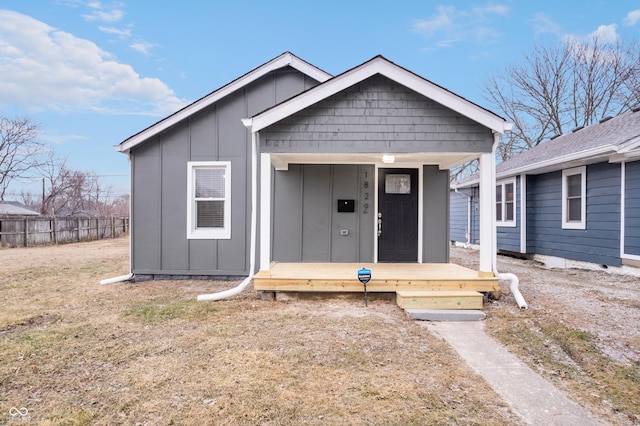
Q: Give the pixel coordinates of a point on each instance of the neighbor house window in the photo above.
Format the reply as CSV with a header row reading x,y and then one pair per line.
x,y
574,196
209,200
506,203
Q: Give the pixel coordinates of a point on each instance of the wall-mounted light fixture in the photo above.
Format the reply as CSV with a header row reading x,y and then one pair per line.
x,y
388,159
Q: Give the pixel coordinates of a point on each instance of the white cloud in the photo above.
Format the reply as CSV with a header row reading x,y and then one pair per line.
x,y
450,25
606,33
44,68
441,22
126,33
632,17
143,47
98,13
543,24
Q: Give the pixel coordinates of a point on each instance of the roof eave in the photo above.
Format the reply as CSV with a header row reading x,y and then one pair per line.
x,y
286,59
379,65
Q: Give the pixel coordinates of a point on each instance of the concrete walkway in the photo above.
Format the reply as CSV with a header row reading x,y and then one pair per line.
x,y
528,394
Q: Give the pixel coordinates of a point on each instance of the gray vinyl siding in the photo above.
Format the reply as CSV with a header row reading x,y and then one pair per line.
x,y
632,209
435,237
600,241
159,176
376,115
508,237
306,223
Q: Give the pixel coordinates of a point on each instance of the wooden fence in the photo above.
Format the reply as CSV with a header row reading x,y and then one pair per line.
x,y
27,231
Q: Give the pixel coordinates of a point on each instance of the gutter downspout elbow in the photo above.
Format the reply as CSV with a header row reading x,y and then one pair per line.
x,y
119,279
514,281
515,290
252,255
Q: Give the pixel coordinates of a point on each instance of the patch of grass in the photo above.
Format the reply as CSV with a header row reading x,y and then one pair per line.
x,y
168,309
570,358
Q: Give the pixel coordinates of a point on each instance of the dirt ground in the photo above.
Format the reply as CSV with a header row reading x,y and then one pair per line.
x,y
75,352
605,304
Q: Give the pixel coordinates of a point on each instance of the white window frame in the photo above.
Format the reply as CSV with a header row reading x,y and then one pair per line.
x,y
511,223
581,224
193,232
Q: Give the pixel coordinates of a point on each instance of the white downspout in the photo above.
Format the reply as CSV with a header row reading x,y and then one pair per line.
x,y
512,278
129,276
468,232
252,254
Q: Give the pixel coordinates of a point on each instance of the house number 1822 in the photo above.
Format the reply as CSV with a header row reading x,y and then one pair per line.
x,y
365,206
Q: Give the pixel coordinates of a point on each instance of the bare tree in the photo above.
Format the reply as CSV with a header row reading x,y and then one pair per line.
x,y
556,89
20,151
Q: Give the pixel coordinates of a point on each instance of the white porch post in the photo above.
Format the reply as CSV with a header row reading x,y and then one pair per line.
x,y
265,211
487,210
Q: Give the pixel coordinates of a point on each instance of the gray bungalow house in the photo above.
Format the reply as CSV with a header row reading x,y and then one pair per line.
x,y
573,200
290,165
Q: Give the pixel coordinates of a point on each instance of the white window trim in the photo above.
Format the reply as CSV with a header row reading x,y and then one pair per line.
x,y
503,222
208,234
582,171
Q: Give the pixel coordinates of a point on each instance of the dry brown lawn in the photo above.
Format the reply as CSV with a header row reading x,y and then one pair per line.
x,y
74,352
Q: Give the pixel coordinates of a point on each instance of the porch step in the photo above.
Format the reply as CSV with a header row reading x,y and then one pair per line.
x,y
439,299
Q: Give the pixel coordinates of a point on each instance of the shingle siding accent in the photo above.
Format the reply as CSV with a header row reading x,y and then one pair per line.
x,y
376,115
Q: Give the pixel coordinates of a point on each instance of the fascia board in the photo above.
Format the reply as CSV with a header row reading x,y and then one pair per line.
x,y
310,97
286,59
379,66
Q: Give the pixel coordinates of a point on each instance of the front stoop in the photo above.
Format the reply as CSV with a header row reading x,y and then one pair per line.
x,y
442,305
439,299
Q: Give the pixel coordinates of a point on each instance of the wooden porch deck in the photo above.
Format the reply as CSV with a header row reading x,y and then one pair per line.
x,y
385,277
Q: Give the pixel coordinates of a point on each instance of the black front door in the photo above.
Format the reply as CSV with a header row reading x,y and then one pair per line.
x,y
397,215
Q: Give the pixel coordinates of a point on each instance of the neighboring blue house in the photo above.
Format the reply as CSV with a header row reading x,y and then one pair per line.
x,y
575,197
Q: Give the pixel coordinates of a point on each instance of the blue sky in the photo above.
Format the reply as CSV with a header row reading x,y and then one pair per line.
x,y
92,73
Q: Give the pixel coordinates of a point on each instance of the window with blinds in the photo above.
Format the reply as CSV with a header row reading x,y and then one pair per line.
x,y
209,200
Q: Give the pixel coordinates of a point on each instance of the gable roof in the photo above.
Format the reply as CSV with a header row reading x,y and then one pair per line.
x,y
378,65
16,208
612,139
284,60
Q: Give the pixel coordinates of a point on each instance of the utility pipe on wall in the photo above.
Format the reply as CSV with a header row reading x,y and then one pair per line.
x,y
252,255
513,279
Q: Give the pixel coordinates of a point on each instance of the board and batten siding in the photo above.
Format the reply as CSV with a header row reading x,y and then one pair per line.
x,y
632,209
435,220
308,228
306,224
374,116
159,176
600,241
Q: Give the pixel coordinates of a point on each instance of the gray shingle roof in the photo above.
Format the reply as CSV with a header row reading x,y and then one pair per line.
x,y
15,208
604,138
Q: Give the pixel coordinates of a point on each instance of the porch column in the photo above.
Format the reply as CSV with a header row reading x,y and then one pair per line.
x,y
487,206
265,211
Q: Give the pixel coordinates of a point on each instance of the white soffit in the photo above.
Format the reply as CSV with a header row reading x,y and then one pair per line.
x,y
382,66
286,59
444,161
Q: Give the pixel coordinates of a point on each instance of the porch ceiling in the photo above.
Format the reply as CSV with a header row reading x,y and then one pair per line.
x,y
444,161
